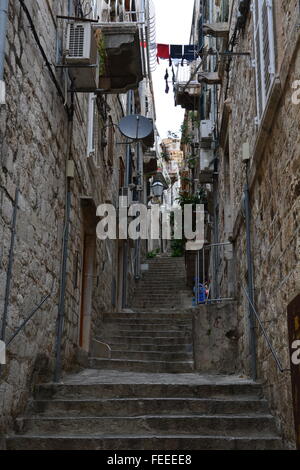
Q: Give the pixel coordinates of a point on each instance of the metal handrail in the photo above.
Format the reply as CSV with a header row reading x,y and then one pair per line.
x,y
274,354
217,298
24,323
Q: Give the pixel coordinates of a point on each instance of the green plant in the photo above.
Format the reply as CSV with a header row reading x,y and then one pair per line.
x,y
152,254
186,136
165,156
177,247
192,162
102,53
198,198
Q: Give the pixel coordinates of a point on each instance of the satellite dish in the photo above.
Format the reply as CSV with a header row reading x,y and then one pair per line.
x,y
136,127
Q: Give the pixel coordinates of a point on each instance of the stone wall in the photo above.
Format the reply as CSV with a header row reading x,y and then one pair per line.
x,y
36,140
273,174
216,339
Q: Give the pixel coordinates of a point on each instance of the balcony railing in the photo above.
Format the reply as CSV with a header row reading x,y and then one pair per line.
x,y
187,88
121,11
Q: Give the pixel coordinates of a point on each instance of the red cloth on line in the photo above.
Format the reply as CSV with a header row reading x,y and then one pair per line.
x,y
163,51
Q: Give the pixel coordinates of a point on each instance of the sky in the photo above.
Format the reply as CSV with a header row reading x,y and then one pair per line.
x,y
173,26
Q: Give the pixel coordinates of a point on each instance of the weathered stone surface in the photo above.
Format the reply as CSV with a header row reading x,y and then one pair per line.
x,y
215,338
35,136
100,349
273,176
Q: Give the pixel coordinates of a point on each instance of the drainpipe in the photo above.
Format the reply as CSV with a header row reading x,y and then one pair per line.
x,y
127,174
138,241
3,30
63,276
252,342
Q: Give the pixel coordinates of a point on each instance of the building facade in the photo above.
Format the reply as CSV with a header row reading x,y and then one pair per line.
x,y
63,94
248,155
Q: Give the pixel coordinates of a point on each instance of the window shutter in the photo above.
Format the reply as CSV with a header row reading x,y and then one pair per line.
x,y
264,51
93,131
258,59
268,42
91,125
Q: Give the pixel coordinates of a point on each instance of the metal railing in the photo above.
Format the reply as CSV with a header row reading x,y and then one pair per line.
x,y
139,12
32,313
209,278
121,11
265,334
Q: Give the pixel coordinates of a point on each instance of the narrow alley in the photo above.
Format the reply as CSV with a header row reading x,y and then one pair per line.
x,y
149,226
145,395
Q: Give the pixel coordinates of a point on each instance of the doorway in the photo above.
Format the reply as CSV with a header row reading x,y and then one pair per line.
x,y
120,281
88,271
293,312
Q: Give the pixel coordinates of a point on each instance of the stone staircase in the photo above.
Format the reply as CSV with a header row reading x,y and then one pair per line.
x,y
146,395
148,342
163,285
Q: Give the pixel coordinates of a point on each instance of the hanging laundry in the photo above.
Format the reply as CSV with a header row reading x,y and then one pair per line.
x,y
190,53
163,51
166,79
176,51
173,76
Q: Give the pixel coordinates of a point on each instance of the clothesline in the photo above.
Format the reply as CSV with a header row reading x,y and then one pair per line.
x,y
177,51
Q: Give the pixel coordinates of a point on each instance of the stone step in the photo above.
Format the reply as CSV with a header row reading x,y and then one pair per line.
x,y
142,442
84,390
147,321
144,314
151,355
140,405
153,347
170,367
157,304
150,284
218,425
176,333
160,291
157,297
159,330
165,340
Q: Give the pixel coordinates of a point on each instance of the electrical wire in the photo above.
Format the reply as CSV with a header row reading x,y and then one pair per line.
x,y
43,53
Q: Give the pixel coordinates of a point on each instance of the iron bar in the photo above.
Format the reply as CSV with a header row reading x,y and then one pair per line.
x,y
24,323
250,282
274,354
76,66
75,18
61,306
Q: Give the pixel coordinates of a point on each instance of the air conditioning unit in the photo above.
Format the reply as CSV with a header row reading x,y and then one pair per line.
x,y
206,159
206,130
81,50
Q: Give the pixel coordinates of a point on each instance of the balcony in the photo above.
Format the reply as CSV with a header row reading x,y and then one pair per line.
x,y
107,55
123,29
121,58
150,163
187,95
187,88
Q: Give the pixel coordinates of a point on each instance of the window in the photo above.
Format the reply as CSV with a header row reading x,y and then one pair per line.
x,y
110,142
264,52
94,131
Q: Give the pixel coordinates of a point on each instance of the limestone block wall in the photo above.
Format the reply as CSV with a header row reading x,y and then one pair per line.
x,y
274,172
36,140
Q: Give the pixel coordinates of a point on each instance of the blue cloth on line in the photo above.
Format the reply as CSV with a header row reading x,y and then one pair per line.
x,y
190,53
176,51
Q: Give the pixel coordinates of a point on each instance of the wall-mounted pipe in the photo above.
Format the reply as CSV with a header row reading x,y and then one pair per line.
x,y
3,31
252,330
